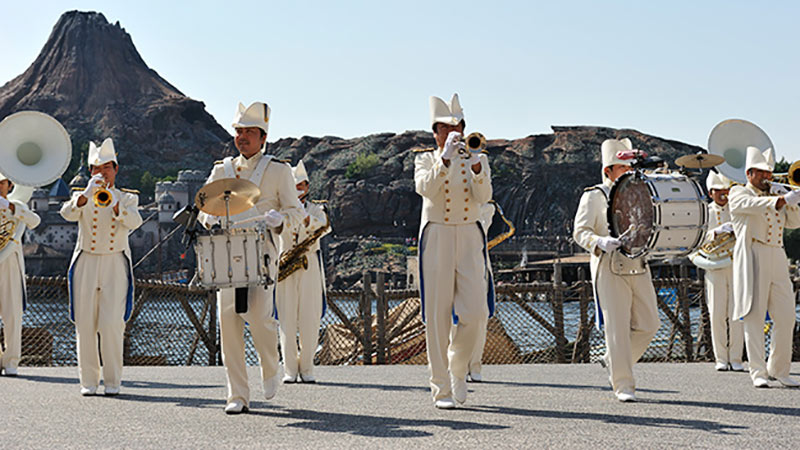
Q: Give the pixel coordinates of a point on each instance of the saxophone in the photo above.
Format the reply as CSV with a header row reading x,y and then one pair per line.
x,y
292,260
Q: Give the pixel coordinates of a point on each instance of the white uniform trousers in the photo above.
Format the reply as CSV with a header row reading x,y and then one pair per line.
x,y
727,335
454,277
264,330
631,319
100,284
11,311
299,310
474,366
772,292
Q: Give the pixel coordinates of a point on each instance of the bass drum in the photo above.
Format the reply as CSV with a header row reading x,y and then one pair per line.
x,y
655,214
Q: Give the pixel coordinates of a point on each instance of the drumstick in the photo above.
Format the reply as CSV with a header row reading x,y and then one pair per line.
x,y
625,236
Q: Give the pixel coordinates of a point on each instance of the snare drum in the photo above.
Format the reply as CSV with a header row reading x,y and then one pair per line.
x,y
661,214
231,258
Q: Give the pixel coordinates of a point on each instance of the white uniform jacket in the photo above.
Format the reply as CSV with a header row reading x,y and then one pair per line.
x,y
101,232
274,179
755,219
591,223
291,236
24,217
451,196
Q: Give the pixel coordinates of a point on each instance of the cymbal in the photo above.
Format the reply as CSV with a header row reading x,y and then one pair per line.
x,y
211,198
700,161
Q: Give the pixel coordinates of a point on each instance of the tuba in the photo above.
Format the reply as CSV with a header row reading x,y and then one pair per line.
x,y
730,139
35,150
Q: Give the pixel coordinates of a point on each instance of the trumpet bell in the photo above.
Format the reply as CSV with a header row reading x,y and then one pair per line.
x,y
35,149
730,139
476,142
102,198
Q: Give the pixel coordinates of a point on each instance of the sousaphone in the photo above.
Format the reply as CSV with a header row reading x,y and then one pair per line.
x,y
730,139
35,150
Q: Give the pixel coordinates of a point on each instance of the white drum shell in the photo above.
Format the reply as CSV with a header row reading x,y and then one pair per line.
x,y
680,214
230,259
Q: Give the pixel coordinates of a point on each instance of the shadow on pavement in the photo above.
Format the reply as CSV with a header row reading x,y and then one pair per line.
x,y
570,386
125,383
380,387
737,407
370,426
660,422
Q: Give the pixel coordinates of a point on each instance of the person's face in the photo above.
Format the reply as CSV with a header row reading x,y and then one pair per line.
x,y
720,196
302,189
108,171
5,188
759,178
443,129
249,141
616,170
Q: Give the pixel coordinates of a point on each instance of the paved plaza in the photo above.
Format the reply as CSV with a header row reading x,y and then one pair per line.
x,y
522,406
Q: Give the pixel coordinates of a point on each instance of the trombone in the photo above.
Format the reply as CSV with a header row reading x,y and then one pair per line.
x,y
790,179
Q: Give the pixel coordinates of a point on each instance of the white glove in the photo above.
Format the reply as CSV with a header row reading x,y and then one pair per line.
x,y
474,159
273,218
608,244
777,189
792,198
4,203
94,183
724,228
452,145
114,198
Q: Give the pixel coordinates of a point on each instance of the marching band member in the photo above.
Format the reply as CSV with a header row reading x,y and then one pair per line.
x,y
12,278
452,253
101,274
301,296
625,300
727,335
761,270
278,206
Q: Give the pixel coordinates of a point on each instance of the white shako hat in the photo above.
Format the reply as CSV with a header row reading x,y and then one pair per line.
x,y
756,159
103,154
255,115
717,181
441,112
613,149
3,177
299,172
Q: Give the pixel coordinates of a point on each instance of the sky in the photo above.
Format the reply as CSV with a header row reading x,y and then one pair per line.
x,y
352,68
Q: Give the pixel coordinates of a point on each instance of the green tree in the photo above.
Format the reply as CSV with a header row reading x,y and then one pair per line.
x,y
363,164
147,183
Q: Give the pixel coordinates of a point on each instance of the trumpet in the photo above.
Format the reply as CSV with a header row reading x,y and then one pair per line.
x,y
102,196
790,179
475,141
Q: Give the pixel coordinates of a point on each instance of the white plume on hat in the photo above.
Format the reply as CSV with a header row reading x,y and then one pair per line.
x,y
299,172
255,115
756,159
441,112
717,181
103,154
610,150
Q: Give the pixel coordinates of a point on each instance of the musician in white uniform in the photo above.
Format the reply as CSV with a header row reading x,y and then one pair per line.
x,y
452,254
625,300
101,274
727,335
761,270
277,207
301,296
12,276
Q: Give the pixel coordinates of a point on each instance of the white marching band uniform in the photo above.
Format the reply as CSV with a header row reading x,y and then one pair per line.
x,y
727,334
12,285
453,258
100,278
625,300
278,193
761,273
301,296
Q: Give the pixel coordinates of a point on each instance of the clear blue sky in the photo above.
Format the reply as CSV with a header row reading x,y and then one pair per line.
x,y
672,69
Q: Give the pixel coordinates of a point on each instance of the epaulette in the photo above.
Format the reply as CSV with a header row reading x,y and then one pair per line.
x,y
218,162
285,161
77,189
590,188
423,150
319,202
129,191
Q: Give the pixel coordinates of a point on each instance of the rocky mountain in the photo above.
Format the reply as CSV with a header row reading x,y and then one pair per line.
x,y
537,180
91,78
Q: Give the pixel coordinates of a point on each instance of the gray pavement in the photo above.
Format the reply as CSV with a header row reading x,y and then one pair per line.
x,y
561,406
